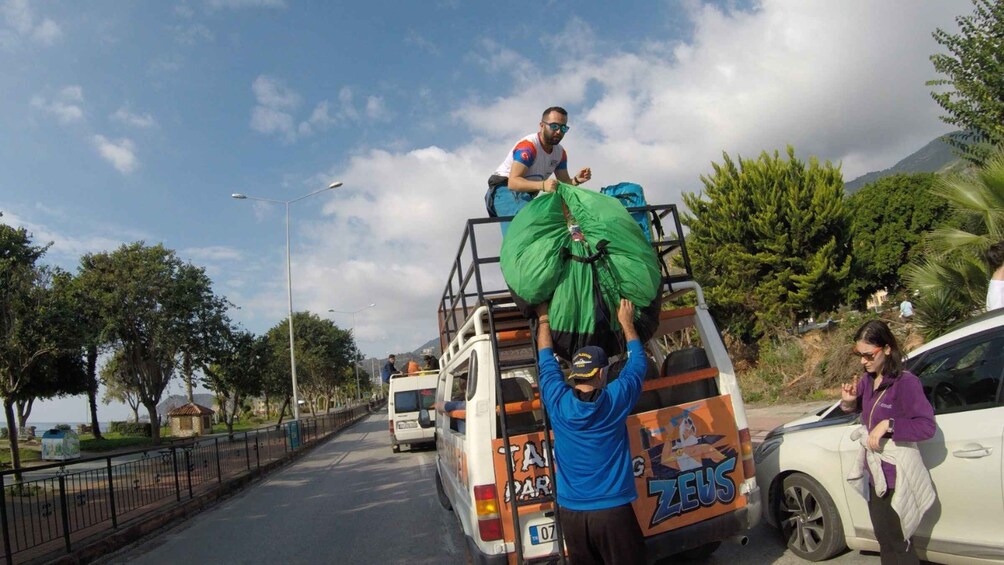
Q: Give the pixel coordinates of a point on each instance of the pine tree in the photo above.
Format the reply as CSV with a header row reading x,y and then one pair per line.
x,y
769,241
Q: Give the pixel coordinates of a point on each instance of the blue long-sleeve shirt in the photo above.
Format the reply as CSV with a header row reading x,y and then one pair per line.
x,y
592,453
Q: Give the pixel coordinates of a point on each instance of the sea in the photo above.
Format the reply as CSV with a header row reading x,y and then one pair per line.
x,y
41,427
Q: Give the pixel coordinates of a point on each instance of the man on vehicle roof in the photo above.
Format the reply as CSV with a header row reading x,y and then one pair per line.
x,y
592,452
527,169
388,369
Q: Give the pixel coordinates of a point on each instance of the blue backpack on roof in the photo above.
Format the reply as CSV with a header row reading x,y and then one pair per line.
x,y
631,195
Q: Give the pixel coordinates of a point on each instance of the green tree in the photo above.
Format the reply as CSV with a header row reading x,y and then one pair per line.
x,y
323,356
889,219
37,337
769,241
147,299
955,273
234,372
121,384
973,67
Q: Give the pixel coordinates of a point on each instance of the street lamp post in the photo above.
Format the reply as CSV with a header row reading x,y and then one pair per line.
x,y
355,356
289,281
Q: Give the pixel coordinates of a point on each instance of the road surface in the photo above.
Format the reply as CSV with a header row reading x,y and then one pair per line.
x,y
351,500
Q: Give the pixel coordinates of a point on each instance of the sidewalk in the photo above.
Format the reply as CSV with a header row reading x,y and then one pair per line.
x,y
763,419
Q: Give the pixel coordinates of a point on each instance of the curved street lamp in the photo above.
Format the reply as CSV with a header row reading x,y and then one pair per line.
x,y
289,280
355,357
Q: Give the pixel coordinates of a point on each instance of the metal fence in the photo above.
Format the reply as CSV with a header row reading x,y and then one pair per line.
x,y
62,504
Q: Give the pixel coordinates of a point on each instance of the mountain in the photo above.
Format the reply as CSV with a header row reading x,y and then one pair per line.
x,y
418,355
935,157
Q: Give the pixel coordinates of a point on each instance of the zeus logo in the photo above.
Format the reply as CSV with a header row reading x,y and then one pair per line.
x,y
688,491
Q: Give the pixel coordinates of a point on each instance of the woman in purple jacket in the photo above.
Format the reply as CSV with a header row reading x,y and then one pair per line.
x,y
892,405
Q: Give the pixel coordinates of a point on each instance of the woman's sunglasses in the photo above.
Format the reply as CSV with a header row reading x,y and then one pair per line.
x,y
868,356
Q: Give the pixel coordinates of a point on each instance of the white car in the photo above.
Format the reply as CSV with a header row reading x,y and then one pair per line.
x,y
801,466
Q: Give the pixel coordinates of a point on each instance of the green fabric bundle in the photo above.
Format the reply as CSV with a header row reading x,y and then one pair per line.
x,y
583,280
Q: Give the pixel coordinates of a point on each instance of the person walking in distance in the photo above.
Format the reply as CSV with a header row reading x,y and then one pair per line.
x,y
526,170
895,414
588,416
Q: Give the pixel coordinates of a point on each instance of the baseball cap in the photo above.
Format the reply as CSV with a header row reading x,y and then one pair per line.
x,y
587,362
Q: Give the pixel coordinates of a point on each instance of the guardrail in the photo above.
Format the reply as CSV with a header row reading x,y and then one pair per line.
x,y
63,504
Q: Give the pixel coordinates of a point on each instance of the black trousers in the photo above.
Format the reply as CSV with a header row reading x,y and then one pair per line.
x,y
894,550
609,537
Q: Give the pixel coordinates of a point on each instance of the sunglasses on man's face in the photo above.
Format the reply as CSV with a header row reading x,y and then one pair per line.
x,y
555,126
868,356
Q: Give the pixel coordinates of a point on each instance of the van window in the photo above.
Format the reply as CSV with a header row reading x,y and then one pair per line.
x,y
682,352
414,400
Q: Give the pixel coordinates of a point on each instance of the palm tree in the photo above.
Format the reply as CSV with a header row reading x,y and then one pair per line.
x,y
953,279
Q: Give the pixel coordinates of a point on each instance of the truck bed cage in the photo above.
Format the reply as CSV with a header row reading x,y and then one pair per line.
x,y
476,279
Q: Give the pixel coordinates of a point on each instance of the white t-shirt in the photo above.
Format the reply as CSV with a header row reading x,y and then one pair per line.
x,y
539,163
995,295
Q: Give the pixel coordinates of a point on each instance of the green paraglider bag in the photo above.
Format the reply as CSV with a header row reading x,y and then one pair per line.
x,y
581,251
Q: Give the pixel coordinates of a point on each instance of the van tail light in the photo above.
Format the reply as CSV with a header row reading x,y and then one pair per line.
x,y
390,426
489,521
746,448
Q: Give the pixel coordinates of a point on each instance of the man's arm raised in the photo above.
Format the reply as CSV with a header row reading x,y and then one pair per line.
x,y
543,328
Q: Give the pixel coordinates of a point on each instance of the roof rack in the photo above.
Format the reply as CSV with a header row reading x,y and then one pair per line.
x,y
476,280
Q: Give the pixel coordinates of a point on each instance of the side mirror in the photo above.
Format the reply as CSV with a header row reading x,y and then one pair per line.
x,y
424,419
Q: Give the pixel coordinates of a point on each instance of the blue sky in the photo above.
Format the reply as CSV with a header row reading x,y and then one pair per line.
x,y
126,121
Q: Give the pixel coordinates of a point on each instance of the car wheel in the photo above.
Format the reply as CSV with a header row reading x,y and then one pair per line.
x,y
395,448
809,519
441,492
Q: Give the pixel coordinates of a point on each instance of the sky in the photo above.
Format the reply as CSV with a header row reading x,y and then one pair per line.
x,y
136,121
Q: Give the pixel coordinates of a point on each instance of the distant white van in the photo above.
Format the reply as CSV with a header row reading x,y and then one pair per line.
x,y
408,395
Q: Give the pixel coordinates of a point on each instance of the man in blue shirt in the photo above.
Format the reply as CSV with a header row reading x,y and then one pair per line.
x,y
592,453
388,370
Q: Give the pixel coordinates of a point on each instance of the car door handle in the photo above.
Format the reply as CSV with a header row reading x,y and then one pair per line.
x,y
974,453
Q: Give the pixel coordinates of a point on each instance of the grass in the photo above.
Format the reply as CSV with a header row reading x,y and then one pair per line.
x,y
111,441
26,455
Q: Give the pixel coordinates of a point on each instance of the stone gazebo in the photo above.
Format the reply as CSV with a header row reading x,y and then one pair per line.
x,y
189,420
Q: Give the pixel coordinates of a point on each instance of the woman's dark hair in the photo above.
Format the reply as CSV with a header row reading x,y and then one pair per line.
x,y
995,256
877,333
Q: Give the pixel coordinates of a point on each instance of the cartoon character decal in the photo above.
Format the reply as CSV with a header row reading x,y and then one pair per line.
x,y
686,469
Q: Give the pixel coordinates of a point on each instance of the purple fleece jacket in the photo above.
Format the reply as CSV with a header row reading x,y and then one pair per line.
x,y
902,399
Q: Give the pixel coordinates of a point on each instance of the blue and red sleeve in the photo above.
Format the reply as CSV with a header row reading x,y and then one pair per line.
x,y
525,153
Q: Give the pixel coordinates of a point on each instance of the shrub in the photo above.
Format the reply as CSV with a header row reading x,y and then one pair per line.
x,y
132,428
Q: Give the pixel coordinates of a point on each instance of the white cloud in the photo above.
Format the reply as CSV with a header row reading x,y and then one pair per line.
x,y
142,121
21,22
237,4
192,34
65,106
818,75
275,103
66,249
121,153
415,39
376,109
213,253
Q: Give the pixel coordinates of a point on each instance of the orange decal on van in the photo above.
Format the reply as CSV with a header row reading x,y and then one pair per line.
x,y
687,464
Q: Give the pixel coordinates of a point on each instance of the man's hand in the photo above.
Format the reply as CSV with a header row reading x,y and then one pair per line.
x,y
550,185
583,176
625,315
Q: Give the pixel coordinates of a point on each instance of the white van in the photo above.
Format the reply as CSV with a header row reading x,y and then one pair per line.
x,y
691,447
408,395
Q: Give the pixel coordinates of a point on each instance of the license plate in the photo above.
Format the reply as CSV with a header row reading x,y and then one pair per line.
x,y
542,533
